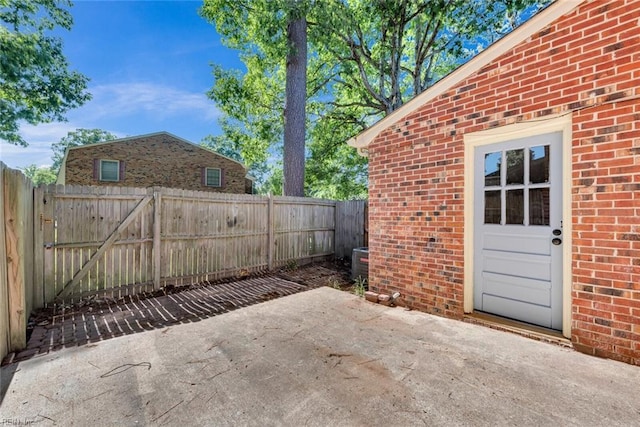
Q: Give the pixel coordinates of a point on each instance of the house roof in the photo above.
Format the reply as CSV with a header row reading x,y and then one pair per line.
x,y
538,22
130,138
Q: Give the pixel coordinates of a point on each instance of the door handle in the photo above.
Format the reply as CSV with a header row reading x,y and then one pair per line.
x,y
557,232
556,241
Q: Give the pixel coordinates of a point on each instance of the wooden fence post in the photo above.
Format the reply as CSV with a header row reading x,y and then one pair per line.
x,y
4,287
341,235
157,242
17,194
365,230
336,220
270,233
48,241
38,248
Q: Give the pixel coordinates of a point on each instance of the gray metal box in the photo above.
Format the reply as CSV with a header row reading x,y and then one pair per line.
x,y
360,263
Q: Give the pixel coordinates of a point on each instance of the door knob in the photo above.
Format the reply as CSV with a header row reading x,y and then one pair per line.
x,y
556,241
557,232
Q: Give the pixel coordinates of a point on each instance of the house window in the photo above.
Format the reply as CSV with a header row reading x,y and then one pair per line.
x,y
213,177
109,170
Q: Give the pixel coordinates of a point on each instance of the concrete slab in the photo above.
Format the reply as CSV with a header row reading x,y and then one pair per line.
x,y
322,357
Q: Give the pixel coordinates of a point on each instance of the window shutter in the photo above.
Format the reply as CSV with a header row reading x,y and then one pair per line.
x,y
203,176
96,169
122,167
221,178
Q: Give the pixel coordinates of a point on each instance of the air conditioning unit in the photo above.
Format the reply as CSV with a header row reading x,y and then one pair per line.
x,y
360,263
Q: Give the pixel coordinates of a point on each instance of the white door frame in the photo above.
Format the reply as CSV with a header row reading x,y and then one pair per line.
x,y
503,134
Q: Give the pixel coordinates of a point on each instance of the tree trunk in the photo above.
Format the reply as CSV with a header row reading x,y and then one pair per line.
x,y
294,112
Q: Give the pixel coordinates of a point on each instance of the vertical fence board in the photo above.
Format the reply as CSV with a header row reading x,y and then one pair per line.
x,y
157,227
4,290
48,239
18,224
26,214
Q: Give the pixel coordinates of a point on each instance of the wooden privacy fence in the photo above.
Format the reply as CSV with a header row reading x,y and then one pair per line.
x,y
116,241
63,243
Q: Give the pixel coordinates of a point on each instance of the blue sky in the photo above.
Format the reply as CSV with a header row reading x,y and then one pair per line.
x,y
149,65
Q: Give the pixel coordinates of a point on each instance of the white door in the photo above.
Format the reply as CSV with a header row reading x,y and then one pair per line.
x,y
518,229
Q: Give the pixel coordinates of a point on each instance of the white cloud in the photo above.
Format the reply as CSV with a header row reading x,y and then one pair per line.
x,y
131,108
50,132
40,139
121,99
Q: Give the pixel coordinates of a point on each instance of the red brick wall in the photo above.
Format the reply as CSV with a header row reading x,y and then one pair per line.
x,y
157,160
587,64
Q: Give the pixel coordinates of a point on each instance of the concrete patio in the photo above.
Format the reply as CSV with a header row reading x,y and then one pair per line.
x,y
320,357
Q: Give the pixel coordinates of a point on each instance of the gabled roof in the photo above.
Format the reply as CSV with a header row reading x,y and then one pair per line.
x,y
537,23
131,138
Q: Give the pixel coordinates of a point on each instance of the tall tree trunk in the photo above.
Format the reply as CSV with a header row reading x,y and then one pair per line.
x,y
294,112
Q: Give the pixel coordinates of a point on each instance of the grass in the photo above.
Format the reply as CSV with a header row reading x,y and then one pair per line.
x,y
360,286
335,283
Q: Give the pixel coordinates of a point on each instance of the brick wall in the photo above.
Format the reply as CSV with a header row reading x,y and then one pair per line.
x,y
155,160
586,64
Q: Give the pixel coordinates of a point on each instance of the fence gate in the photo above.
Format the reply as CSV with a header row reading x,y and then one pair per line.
x,y
95,241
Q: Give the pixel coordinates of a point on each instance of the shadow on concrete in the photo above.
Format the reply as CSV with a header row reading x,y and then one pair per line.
x,y
106,320
6,375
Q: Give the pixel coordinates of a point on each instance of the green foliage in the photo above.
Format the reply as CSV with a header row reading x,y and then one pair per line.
x,y
334,169
335,283
74,139
40,176
252,107
386,52
360,286
273,181
365,59
221,146
36,85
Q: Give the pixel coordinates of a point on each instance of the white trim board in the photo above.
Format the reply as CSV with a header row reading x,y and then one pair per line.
x,y
561,123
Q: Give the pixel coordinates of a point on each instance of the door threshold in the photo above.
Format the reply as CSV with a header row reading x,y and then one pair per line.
x,y
527,330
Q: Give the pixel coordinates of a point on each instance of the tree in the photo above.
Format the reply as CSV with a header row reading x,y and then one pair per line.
x,y
365,59
277,30
74,139
40,176
296,98
36,85
388,51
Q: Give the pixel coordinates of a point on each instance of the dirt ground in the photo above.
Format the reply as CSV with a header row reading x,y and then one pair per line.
x,y
96,319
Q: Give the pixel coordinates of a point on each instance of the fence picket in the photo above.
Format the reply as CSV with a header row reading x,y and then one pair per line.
x,y
17,280
5,343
